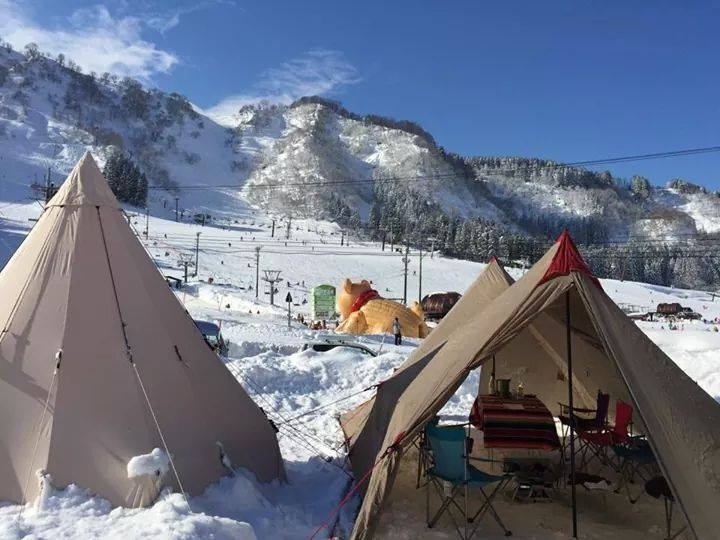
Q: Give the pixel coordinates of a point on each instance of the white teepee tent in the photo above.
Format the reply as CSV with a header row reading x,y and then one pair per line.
x,y
100,363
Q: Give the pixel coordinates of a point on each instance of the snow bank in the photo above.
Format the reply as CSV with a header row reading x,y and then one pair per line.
x,y
74,513
156,463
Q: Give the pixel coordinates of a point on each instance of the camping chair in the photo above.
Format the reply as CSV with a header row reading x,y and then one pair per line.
x,y
658,487
636,459
596,442
584,419
424,459
451,475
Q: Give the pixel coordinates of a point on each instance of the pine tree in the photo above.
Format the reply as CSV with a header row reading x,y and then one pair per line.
x,y
126,180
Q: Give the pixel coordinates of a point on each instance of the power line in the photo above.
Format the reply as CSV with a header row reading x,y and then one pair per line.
x,y
441,176
642,157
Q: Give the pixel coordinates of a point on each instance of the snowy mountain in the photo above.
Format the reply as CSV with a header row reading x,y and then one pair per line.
x,y
314,158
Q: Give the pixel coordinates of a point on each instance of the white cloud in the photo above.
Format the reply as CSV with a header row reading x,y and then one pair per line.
x,y
92,37
315,73
166,21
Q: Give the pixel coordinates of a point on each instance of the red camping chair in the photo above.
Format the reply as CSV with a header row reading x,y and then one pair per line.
x,y
595,443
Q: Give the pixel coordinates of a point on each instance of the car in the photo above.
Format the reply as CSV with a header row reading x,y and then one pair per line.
x,y
213,337
324,346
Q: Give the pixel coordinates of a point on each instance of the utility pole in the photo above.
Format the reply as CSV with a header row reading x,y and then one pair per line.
x,y
50,192
197,252
50,189
405,260
177,208
272,277
146,232
287,235
272,235
257,270
383,241
342,237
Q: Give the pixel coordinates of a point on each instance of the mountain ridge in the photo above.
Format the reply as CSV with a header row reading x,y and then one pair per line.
x,y
314,158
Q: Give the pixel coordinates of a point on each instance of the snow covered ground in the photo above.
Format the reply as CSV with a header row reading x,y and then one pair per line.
x,y
290,384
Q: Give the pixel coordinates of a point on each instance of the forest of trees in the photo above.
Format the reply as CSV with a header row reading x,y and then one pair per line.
x,y
400,216
127,181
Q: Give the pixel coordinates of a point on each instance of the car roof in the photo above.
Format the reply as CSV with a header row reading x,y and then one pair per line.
x,y
206,327
342,343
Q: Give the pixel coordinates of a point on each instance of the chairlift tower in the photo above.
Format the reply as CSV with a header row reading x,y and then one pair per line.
x,y
185,262
272,277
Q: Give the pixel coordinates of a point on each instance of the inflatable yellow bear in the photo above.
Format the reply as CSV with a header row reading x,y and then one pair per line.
x,y
363,311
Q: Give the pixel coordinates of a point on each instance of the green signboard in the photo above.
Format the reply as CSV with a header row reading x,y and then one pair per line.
x,y
322,302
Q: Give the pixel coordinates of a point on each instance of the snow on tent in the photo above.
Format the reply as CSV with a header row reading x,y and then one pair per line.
x,y
100,364
525,327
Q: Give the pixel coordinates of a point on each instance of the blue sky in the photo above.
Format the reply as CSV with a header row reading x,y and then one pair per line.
x,y
569,81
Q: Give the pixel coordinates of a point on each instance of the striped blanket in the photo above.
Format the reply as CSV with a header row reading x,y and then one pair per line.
x,y
514,423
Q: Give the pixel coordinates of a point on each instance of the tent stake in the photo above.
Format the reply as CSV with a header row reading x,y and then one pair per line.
x,y
572,415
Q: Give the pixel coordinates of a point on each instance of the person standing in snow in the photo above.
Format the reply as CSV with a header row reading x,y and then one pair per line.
x,y
396,331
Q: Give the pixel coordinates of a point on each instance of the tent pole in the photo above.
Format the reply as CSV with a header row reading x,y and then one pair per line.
x,y
572,415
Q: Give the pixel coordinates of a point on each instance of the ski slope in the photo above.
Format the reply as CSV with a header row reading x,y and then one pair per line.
x,y
290,384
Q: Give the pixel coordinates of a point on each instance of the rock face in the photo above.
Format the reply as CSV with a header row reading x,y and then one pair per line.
x,y
314,158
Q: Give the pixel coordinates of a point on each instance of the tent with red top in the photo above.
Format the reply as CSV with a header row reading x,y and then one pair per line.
x,y
566,336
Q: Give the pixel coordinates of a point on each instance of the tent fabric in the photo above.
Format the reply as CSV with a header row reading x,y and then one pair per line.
x,y
681,419
567,259
491,282
609,352
81,292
